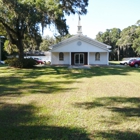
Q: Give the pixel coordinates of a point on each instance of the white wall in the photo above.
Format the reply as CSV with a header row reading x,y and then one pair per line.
x,y
55,59
74,47
103,58
83,47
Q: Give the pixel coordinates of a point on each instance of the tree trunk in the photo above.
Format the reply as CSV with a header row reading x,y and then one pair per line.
x,y
20,47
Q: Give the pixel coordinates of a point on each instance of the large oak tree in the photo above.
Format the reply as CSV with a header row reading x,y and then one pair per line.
x,y
110,37
22,18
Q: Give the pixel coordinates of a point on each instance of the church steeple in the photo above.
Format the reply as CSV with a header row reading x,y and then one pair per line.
x,y
79,26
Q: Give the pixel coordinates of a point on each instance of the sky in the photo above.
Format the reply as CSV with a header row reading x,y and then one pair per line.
x,y
104,14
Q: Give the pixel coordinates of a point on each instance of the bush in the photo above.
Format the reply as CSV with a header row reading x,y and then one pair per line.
x,y
21,63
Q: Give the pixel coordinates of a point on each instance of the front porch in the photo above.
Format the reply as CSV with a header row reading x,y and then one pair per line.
x,y
79,58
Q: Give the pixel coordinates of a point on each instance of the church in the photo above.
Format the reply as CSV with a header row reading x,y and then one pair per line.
x,y
80,50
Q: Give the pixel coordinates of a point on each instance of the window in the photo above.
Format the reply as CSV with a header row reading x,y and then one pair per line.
x,y
97,56
61,56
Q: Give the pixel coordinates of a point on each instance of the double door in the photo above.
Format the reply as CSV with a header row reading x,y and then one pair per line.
x,y
79,58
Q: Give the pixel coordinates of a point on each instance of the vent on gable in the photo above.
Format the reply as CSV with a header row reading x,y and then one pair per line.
x,y
79,43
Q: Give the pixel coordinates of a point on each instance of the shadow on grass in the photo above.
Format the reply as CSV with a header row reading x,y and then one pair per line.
x,y
116,135
101,71
130,107
3,65
21,122
17,86
80,73
20,80
8,85
124,108
73,73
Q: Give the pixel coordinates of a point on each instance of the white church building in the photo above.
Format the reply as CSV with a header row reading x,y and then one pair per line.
x,y
80,50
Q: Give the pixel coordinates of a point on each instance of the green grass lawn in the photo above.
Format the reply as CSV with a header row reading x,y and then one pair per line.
x,y
57,103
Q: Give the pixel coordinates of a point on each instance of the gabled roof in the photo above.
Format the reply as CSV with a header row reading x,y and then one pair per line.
x,y
82,38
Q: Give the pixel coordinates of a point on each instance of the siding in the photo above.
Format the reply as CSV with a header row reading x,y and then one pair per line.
x,y
55,59
103,59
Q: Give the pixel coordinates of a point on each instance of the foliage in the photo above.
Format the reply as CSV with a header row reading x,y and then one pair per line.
x,y
127,36
99,37
125,43
136,40
110,37
20,63
136,45
22,19
46,43
2,30
49,41
32,43
61,38
10,48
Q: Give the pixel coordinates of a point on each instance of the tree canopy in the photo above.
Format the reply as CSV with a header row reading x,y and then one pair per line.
x,y
22,19
136,41
125,43
48,41
110,37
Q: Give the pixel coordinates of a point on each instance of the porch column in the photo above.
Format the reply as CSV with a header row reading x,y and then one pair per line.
x,y
69,58
88,58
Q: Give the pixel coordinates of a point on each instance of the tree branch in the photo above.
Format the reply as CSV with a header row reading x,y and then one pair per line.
x,y
7,27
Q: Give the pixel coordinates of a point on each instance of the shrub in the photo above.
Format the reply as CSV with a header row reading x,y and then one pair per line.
x,y
21,63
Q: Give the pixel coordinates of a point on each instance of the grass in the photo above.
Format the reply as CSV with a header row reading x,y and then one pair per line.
x,y
57,103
